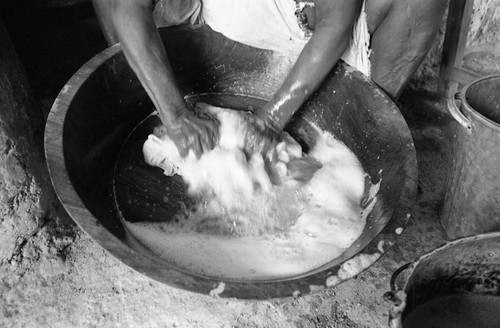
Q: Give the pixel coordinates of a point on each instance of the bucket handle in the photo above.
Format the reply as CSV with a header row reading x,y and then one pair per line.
x,y
396,298
396,274
457,113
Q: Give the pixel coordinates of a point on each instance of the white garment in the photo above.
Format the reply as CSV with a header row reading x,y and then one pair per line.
x,y
272,25
264,24
223,171
358,52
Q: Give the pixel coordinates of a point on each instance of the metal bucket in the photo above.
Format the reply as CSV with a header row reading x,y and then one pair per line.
x,y
456,285
472,194
103,102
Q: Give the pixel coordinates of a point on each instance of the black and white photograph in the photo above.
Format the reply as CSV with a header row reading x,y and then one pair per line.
x,y
250,163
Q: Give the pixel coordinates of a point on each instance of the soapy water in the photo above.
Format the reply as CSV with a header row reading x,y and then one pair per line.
x,y
233,195
259,215
268,233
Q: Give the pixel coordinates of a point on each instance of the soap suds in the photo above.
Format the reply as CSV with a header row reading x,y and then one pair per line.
x,y
263,231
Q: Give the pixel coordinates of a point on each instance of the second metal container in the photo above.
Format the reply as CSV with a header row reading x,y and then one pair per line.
x,y
472,195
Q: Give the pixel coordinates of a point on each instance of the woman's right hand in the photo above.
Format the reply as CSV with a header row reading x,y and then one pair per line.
x,y
193,130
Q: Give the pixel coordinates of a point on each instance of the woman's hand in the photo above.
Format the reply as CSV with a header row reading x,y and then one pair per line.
x,y
131,22
193,130
261,136
334,21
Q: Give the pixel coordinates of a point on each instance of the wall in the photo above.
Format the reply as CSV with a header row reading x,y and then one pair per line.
x,y
483,46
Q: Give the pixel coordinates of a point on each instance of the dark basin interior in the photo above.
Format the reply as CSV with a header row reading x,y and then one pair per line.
x,y
483,96
103,102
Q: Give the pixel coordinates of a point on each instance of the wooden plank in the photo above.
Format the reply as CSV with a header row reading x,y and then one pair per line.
x,y
457,26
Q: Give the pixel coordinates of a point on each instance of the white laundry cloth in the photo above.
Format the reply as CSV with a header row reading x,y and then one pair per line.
x,y
223,171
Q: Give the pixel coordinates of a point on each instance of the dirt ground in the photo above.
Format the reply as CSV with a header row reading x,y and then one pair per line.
x,y
59,277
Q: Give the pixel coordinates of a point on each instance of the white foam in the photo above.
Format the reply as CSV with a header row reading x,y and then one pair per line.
x,y
331,220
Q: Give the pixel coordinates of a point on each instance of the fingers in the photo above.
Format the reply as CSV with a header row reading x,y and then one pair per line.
x,y
208,135
207,127
212,134
197,147
259,138
303,169
182,145
196,133
185,143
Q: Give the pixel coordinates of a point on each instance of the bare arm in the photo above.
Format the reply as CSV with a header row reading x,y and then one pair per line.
x,y
133,25
103,11
145,53
332,33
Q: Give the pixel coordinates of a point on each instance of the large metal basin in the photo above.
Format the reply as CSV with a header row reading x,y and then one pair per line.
x,y
102,103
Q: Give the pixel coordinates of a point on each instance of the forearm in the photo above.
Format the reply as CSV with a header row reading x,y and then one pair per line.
x,y
331,37
310,69
146,55
103,11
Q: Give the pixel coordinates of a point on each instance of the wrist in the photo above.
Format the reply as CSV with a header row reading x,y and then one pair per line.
x,y
172,114
270,121
273,124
